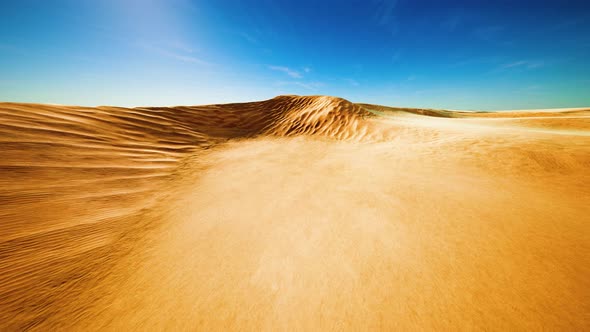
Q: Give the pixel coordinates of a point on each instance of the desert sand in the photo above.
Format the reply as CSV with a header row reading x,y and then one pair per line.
x,y
295,213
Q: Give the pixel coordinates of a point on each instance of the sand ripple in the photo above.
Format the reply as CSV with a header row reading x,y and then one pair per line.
x,y
295,213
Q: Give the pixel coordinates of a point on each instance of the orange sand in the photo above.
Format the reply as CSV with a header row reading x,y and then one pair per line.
x,y
296,213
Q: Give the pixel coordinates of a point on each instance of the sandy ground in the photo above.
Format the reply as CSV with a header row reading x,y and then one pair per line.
x,y
296,213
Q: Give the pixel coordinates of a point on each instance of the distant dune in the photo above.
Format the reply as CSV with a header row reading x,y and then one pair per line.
x,y
295,213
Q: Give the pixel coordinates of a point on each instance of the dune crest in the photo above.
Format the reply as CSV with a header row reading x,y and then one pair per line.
x,y
294,213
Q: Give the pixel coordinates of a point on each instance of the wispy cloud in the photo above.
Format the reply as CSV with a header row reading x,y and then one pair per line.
x,y
452,22
532,90
488,33
523,64
567,24
533,87
519,66
488,61
181,46
384,15
396,56
286,70
11,49
249,37
313,86
182,53
310,85
385,11
185,58
352,82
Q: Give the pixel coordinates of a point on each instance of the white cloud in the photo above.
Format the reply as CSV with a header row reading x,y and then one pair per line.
x,y
313,86
249,37
451,23
488,33
385,11
177,55
310,85
396,56
352,82
11,49
185,58
286,70
527,64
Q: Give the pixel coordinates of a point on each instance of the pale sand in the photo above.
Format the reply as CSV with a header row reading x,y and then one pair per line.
x,y
297,213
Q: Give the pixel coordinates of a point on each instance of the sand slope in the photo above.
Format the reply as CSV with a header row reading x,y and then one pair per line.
x,y
295,213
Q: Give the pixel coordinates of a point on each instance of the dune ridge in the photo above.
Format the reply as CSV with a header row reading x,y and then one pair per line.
x,y
298,212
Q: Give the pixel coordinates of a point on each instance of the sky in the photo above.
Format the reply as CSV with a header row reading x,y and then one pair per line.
x,y
467,54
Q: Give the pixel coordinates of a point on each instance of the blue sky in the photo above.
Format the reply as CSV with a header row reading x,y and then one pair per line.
x,y
439,54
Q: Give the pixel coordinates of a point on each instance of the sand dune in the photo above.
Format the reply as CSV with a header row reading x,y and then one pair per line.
x,y
295,213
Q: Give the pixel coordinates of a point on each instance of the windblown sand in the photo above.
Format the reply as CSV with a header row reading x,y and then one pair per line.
x,y
296,213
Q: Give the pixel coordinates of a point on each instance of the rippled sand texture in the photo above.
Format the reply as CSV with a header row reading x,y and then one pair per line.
x,y
296,213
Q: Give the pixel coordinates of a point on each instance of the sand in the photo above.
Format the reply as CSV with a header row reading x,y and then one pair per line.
x,y
295,213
